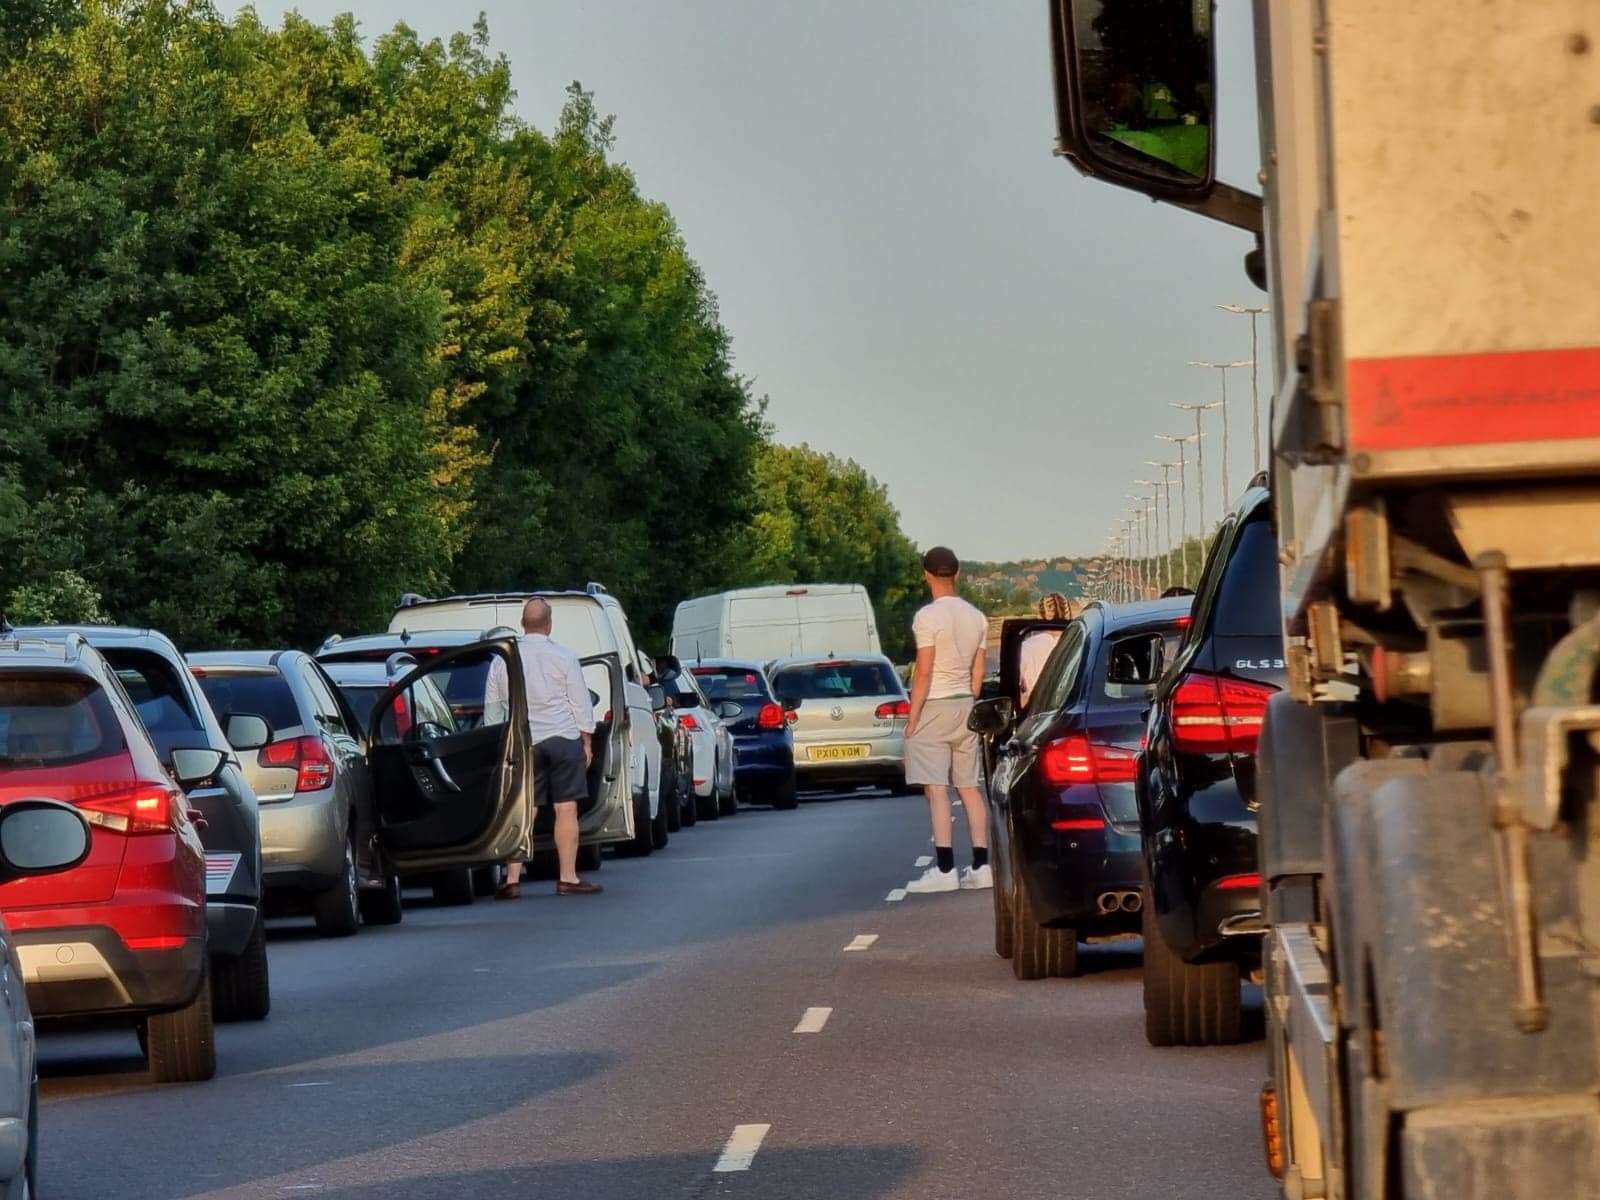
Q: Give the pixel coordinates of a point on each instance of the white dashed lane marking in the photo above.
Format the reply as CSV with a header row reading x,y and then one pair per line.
x,y
896,895
814,1020
741,1149
317,1083
925,860
861,941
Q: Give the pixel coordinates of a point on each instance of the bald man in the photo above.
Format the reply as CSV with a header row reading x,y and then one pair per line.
x,y
560,725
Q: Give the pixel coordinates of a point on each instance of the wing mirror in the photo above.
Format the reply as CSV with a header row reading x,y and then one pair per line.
x,y
193,767
246,731
992,717
38,837
729,711
658,696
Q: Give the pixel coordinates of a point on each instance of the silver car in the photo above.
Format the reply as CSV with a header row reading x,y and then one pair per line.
x,y
850,724
318,834
707,727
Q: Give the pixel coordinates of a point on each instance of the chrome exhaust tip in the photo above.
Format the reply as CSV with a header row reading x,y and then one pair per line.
x,y
1132,902
1107,902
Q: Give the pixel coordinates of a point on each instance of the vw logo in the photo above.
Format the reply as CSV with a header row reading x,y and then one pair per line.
x,y
836,712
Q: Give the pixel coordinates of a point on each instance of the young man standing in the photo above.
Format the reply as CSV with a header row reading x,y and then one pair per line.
x,y
941,752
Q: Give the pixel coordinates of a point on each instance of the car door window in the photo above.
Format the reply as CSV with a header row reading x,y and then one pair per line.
x,y
1133,663
158,697
1059,679
324,706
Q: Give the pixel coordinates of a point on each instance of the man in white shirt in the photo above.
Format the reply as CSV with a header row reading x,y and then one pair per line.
x,y
941,752
560,725
1036,647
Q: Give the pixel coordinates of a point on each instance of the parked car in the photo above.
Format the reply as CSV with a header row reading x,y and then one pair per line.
x,y
706,724
763,771
850,720
1196,790
121,937
773,622
608,818
176,715
37,837
314,787
1063,822
591,624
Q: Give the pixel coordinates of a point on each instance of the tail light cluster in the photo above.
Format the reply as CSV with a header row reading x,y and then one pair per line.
x,y
894,710
307,755
771,716
687,721
140,809
1211,714
1075,759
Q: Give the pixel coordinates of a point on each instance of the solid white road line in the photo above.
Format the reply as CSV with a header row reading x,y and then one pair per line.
x,y
897,894
925,861
813,1020
861,941
741,1149
317,1083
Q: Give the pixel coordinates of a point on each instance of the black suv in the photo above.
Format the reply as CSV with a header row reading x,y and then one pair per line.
x,y
1197,789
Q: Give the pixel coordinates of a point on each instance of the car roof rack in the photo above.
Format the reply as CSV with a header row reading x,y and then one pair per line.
x,y
595,589
407,599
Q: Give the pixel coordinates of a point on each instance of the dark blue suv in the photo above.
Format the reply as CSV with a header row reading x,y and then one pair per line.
x,y
763,744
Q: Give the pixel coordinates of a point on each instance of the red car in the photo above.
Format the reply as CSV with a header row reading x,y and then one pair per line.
x,y
123,935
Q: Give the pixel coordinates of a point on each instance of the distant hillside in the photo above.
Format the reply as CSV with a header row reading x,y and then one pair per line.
x,y
1015,586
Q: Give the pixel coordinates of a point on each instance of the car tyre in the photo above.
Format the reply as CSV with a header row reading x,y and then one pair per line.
x,y
240,987
1004,931
643,838
486,880
589,857
454,889
899,787
386,906
671,812
728,802
1039,952
661,826
181,1046
337,911
709,807
1186,1004
784,795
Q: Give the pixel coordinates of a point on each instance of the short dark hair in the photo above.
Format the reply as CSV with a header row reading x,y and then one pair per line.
x,y
941,561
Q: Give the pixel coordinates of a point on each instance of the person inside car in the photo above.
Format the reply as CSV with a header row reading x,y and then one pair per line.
x,y
1036,647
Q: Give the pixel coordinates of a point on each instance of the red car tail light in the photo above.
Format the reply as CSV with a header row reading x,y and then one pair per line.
x,y
771,716
147,808
1238,883
894,710
687,721
1211,715
1075,759
307,755
1077,824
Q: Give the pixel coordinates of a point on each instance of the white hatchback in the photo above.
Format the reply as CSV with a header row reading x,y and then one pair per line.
x,y
850,723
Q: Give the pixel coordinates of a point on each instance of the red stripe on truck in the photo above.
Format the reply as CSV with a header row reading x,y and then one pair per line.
x,y
1469,399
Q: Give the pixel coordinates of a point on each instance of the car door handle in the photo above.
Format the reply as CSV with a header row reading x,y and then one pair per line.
x,y
444,776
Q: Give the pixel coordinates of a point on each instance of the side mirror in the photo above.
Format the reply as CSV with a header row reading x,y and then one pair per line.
x,y
992,717
246,731
729,711
193,767
658,696
38,837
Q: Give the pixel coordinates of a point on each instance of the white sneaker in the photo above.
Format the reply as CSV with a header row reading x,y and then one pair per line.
x,y
974,878
934,880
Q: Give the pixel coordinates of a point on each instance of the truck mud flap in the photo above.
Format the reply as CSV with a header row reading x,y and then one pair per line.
x,y
1530,1149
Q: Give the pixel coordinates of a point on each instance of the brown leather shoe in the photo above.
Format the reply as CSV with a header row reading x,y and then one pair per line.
x,y
508,891
578,889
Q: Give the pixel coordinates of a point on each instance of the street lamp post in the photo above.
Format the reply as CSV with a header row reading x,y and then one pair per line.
x,y
1255,391
1154,541
1222,370
1166,500
1199,465
1183,499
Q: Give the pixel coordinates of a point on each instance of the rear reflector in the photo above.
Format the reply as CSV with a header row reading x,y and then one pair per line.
x,y
1075,759
1078,824
156,943
1238,883
1213,715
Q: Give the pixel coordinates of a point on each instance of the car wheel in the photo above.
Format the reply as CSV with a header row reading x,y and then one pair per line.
x,y
338,910
670,814
181,1046
660,827
784,795
708,808
383,907
688,803
486,880
728,802
1004,931
1186,1004
899,787
643,838
453,889
589,857
240,989
1038,952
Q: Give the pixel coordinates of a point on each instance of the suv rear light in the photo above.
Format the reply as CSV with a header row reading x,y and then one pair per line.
x,y
1075,759
147,809
894,710
1211,714
771,716
687,721
307,755
1238,883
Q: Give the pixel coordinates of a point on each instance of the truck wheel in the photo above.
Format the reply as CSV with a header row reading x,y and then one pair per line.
x,y
240,989
453,889
589,857
1036,951
384,907
1004,931
181,1046
338,910
1185,1004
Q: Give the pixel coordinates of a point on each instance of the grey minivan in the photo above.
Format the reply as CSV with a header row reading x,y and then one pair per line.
x,y
318,836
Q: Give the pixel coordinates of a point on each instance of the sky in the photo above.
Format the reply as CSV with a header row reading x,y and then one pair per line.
x,y
907,272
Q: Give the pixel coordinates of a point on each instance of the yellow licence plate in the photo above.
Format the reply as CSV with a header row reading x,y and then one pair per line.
x,y
827,753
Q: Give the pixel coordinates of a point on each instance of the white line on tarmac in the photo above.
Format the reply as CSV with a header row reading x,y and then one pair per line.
x,y
896,895
861,941
741,1149
925,860
813,1020
317,1083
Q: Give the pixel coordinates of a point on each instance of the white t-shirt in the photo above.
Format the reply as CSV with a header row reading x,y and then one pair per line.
x,y
1036,648
956,631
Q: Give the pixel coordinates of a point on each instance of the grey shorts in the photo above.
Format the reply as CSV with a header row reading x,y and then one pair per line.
x,y
559,776
943,751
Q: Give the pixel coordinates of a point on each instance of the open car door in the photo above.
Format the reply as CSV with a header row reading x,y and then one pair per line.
x,y
609,817
450,795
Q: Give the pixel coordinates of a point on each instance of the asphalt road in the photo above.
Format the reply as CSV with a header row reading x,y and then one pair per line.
x,y
611,1047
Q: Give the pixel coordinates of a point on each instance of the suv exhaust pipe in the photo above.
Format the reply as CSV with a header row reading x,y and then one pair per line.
x,y
1110,902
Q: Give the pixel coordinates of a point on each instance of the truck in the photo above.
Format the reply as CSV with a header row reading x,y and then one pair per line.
x,y
777,621
1427,232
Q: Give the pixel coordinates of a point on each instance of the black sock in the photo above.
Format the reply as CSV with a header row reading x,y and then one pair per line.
x,y
980,857
946,856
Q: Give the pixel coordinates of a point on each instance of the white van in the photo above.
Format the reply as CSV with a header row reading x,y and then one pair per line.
x,y
588,623
776,622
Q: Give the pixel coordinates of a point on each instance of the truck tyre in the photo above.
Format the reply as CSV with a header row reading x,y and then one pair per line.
x,y
1186,1004
385,906
240,989
453,889
181,1046
1038,952
338,909
1004,931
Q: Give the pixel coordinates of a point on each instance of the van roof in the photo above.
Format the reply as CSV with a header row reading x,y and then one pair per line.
x,y
782,589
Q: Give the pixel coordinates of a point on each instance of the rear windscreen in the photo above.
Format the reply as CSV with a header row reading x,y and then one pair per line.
x,y
836,681
1247,601
725,683
264,693
46,721
361,697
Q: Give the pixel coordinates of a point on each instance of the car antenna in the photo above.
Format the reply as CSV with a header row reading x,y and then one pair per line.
x,y
405,637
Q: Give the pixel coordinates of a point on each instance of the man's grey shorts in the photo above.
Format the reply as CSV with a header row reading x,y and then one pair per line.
x,y
943,751
559,775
